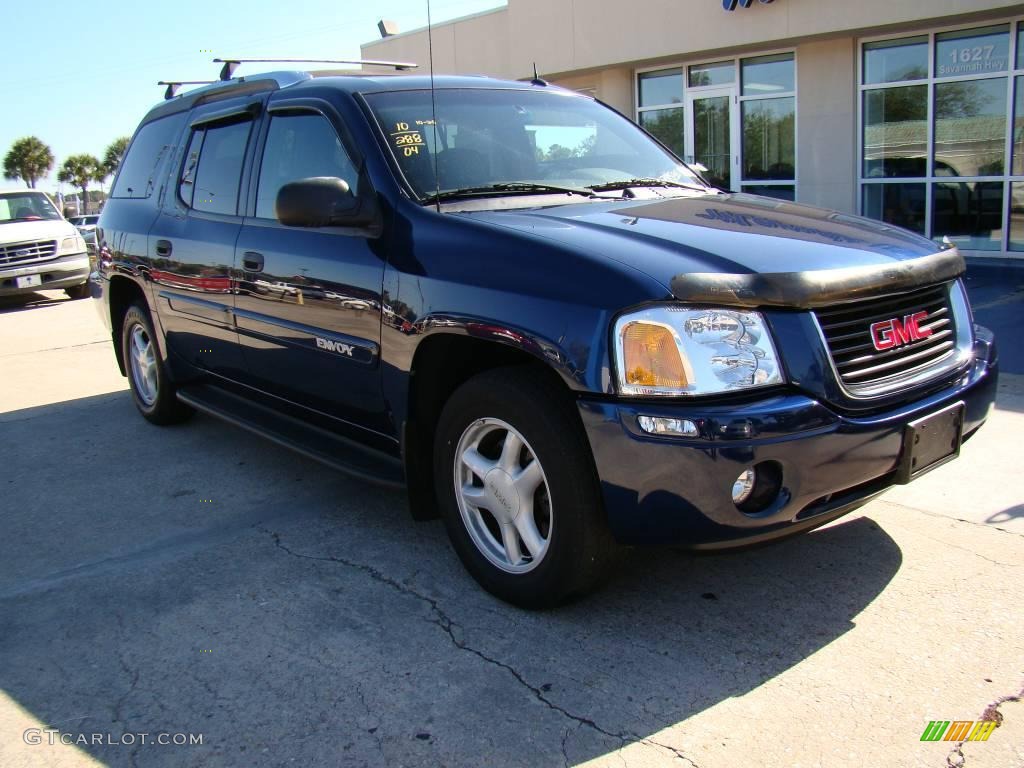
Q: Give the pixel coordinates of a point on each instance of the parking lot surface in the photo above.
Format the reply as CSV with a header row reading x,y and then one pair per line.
x,y
196,580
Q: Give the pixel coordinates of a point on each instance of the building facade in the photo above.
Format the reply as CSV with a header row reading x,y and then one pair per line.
x,y
908,111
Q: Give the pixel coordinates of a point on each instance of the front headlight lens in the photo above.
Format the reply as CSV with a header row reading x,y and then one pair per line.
x,y
74,244
668,351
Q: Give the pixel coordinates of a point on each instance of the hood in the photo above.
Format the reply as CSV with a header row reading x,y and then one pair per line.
x,y
744,250
24,231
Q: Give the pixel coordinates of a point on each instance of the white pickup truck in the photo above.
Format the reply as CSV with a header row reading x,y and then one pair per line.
x,y
39,249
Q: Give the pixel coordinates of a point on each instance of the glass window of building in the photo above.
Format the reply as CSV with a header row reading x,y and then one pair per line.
x,y
961,175
768,127
658,92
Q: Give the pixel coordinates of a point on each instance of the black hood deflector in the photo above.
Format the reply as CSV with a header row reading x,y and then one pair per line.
x,y
817,288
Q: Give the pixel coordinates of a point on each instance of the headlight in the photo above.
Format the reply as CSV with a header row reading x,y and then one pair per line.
x,y
74,244
668,351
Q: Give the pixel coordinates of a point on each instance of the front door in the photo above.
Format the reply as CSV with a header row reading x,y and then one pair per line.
x,y
308,303
712,135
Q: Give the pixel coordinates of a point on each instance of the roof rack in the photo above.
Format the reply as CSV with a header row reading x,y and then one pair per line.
x,y
230,65
174,85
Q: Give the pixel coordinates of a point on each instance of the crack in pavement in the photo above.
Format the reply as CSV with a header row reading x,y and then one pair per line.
x,y
956,758
986,526
447,625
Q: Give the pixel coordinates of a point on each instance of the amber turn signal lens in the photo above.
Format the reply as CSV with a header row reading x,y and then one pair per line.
x,y
651,356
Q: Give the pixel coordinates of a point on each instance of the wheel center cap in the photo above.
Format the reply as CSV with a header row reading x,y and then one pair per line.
x,y
503,491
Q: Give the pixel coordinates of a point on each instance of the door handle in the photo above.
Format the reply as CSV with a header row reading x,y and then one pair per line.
x,y
252,261
163,247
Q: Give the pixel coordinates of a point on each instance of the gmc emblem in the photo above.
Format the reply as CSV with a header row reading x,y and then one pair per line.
x,y
890,334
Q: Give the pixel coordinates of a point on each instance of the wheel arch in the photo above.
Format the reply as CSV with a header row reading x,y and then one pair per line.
x,y
123,292
443,362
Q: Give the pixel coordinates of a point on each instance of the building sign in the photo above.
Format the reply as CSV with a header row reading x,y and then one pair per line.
x,y
730,5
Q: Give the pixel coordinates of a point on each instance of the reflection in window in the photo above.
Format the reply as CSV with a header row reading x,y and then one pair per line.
x,y
972,52
896,132
300,147
892,61
667,125
969,213
778,191
970,127
1018,124
220,168
662,87
721,73
769,139
769,74
902,205
1017,216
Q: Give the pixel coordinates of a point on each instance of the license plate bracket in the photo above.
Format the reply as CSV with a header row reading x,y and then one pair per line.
x,y
931,441
28,281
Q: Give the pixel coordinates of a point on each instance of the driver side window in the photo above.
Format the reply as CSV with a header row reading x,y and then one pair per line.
x,y
300,146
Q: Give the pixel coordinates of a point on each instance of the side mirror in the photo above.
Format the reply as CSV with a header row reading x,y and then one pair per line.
x,y
321,201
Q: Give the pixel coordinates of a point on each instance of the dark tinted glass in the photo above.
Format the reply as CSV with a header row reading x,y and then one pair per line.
x,y
219,171
769,149
768,74
1017,216
891,61
970,127
973,52
140,170
900,204
896,132
662,87
778,191
300,147
1018,128
969,213
722,73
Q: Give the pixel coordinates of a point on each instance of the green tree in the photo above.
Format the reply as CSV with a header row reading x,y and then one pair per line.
x,y
29,160
114,154
79,170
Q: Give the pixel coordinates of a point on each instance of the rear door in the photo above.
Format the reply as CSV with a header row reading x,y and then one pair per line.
x,y
192,243
308,307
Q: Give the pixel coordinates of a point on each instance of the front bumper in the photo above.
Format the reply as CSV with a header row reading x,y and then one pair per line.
x,y
64,272
673,490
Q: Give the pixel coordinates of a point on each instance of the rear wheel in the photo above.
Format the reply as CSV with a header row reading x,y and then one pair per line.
x,y
518,491
151,387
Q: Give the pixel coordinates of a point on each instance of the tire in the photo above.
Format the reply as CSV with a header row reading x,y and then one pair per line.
x,y
78,291
151,387
534,532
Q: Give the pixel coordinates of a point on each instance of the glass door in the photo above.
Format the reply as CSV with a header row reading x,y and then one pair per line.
x,y
712,135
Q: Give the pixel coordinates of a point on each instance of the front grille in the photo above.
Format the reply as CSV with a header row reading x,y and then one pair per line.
x,y
26,253
861,366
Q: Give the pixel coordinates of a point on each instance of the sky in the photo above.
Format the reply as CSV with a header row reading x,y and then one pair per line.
x,y
81,74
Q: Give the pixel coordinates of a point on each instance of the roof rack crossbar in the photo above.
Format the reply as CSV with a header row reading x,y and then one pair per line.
x,y
230,65
174,85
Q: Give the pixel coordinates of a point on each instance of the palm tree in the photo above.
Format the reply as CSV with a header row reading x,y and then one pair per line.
x,y
29,159
79,170
114,154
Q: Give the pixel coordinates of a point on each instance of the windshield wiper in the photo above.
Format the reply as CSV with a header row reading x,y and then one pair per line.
x,y
627,183
507,187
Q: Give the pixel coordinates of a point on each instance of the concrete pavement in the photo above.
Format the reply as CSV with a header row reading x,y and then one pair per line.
x,y
197,580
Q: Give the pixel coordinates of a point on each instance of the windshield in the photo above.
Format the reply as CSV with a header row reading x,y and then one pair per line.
x,y
26,206
487,137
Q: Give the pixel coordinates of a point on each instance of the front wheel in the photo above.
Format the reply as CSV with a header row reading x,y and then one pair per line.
x,y
78,291
151,387
518,491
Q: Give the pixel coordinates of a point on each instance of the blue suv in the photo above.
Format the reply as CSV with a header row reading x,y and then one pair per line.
x,y
511,300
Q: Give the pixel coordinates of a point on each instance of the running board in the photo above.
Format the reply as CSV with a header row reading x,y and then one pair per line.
x,y
335,451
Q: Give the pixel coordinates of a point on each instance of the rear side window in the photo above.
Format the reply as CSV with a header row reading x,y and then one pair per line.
x,y
213,167
139,174
300,146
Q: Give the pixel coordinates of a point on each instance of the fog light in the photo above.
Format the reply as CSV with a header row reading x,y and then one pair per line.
x,y
656,425
743,486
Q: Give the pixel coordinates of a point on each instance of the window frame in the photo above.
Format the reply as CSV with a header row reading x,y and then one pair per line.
x,y
1015,69
738,100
